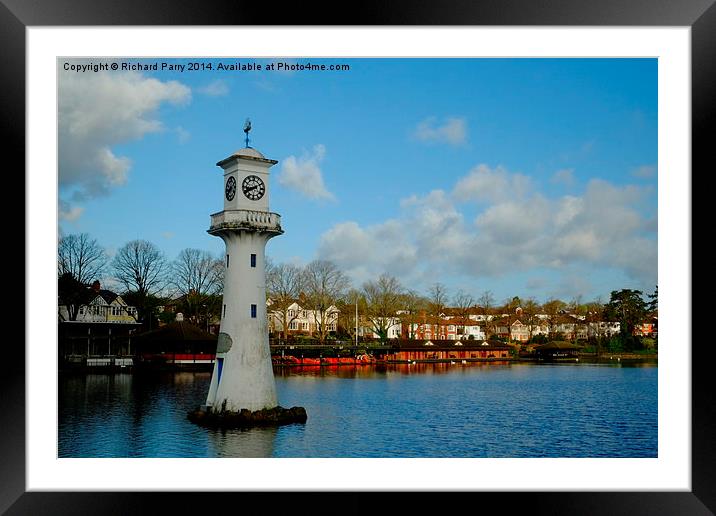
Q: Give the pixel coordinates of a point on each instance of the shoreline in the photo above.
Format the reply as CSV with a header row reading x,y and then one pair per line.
x,y
587,358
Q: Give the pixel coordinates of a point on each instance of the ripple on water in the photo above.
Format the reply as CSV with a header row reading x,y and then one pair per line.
x,y
455,411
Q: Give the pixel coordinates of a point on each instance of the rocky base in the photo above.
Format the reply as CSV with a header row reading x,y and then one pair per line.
x,y
246,418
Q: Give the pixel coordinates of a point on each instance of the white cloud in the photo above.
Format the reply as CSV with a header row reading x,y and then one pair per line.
x,y
516,228
304,174
514,223
69,213
98,111
217,88
365,253
483,183
453,131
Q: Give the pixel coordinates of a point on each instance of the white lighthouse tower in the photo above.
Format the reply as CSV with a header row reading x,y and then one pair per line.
x,y
243,375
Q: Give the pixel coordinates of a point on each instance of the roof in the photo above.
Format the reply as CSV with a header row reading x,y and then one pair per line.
x,y
108,296
557,344
247,153
178,331
565,319
459,321
420,344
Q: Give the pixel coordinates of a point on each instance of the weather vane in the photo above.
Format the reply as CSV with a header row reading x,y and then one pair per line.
x,y
247,128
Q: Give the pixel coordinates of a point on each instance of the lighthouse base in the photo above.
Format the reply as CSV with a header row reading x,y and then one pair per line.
x,y
245,418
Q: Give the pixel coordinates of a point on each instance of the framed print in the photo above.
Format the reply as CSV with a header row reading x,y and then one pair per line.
x,y
103,96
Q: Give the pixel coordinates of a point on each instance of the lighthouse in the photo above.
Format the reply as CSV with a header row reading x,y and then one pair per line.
x,y
242,391
243,375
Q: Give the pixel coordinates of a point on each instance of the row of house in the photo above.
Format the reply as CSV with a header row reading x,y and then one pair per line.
x,y
474,326
107,306
514,327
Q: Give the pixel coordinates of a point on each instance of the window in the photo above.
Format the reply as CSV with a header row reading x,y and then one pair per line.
x,y
293,325
253,260
224,313
227,261
253,311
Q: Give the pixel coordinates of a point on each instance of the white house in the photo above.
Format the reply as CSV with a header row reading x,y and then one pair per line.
x,y
105,306
394,326
301,320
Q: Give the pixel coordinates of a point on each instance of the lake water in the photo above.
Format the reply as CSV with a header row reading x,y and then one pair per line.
x,y
423,410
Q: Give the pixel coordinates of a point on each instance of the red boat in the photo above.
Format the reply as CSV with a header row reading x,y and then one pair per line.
x,y
324,361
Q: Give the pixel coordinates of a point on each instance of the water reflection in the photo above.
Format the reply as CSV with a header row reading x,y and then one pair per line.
x,y
479,409
254,442
367,371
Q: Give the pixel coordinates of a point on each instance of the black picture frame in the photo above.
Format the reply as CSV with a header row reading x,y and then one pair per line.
x,y
699,15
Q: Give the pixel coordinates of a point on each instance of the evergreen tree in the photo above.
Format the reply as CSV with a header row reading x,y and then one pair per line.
x,y
629,308
653,304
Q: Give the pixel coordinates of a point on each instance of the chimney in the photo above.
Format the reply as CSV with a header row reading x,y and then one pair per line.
x,y
95,285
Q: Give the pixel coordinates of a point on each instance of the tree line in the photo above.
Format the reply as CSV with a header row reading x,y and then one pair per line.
x,y
146,278
194,281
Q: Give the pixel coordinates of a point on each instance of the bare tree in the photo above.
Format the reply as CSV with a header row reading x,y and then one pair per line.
x,y
552,309
529,313
284,282
487,302
219,272
80,260
195,276
412,304
141,267
463,302
595,320
505,317
577,309
383,298
81,256
348,305
437,301
324,284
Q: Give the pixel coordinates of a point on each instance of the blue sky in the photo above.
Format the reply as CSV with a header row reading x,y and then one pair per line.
x,y
529,177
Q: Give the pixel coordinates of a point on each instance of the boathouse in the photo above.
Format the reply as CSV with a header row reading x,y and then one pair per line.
x,y
177,345
446,350
557,350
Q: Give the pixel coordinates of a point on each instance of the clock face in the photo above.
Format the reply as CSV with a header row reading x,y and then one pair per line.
x,y
253,187
230,188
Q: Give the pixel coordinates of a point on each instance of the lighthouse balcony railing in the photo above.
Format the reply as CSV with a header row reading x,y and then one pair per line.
x,y
245,218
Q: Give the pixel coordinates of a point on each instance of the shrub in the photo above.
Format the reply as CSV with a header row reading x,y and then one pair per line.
x,y
538,339
615,345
